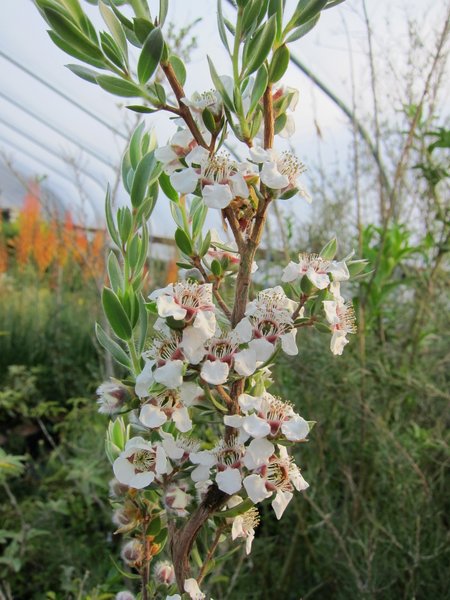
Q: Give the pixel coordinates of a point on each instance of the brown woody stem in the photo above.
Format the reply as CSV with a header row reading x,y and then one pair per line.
x,y
184,111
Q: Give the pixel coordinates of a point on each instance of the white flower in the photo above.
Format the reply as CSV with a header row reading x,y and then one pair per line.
x,y
221,179
210,99
279,475
268,415
179,448
140,463
164,406
173,597
112,396
244,526
341,317
316,269
192,303
222,354
279,172
269,320
191,587
180,144
227,458
227,250
176,498
164,363
132,553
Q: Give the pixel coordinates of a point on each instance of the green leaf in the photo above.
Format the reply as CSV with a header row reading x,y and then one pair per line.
x,y
136,145
183,242
167,188
163,9
112,347
205,245
70,33
118,87
124,223
328,252
150,55
219,86
114,272
179,67
143,324
154,527
115,27
355,267
141,109
216,268
208,120
279,63
112,50
116,314
241,508
110,219
221,26
303,29
142,178
306,10
259,53
84,73
259,87
75,52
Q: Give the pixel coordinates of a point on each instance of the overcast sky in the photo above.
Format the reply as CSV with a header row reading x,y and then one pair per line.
x,y
68,133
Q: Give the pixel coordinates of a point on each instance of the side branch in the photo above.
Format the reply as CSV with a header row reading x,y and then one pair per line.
x,y
184,111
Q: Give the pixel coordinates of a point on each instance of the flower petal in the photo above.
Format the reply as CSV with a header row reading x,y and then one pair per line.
x,y
217,195
249,403
152,416
215,372
262,348
182,420
184,181
229,481
245,362
291,272
191,588
145,379
170,374
280,502
255,426
272,178
258,453
288,342
167,307
338,342
295,429
255,487
244,330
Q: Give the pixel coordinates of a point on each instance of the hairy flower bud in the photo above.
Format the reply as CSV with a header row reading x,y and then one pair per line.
x,y
112,397
164,572
132,553
124,595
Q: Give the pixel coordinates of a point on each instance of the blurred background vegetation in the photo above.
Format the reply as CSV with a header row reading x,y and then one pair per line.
x,y
374,522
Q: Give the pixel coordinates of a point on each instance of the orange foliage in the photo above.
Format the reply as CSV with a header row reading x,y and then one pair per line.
x,y
53,243
172,271
45,244
28,225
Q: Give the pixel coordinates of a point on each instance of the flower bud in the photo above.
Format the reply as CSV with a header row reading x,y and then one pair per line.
x,y
132,553
112,397
124,595
117,489
164,572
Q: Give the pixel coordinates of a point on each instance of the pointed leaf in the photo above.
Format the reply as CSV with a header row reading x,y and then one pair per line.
x,y
150,55
116,314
